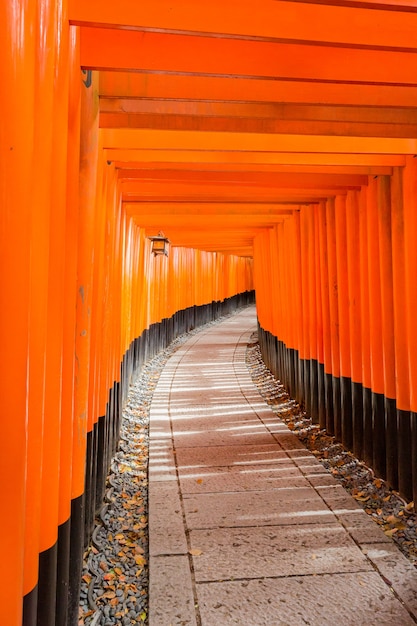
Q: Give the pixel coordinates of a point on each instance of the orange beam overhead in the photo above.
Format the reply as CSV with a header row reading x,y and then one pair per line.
x,y
255,125
221,157
259,110
194,140
282,20
218,209
360,170
274,179
222,88
106,48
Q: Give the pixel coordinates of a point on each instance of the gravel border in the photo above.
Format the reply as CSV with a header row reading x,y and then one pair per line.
x,y
385,506
114,589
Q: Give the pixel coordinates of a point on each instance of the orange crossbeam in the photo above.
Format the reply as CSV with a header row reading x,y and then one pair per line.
x,y
255,125
259,110
115,49
278,20
194,140
360,170
273,179
149,85
130,157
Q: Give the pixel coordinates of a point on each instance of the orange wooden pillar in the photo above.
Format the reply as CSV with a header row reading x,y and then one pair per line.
x,y
299,328
69,363
53,407
305,349
39,268
326,396
343,318
86,225
353,241
387,318
408,424
367,442
18,56
313,315
334,425
403,435
321,395
376,331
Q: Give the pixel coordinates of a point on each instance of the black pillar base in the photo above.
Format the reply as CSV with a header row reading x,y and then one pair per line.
x,y
391,443
379,435
64,538
405,453
368,446
76,558
30,608
337,408
346,411
357,420
47,586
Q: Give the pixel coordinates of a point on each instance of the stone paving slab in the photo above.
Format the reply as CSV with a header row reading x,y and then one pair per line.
x,y
237,553
247,527
172,600
242,478
225,456
283,507
166,527
358,599
224,437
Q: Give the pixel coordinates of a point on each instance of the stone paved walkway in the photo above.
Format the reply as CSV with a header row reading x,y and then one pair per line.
x,y
246,527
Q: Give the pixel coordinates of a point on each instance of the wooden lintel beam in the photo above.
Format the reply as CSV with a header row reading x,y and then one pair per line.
x,y
255,125
273,179
221,88
130,157
351,24
217,209
194,140
256,110
360,170
104,48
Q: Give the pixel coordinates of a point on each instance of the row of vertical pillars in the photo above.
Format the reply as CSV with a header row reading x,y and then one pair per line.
x,y
55,600
337,326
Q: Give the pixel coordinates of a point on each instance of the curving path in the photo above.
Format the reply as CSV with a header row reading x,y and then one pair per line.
x,y
246,527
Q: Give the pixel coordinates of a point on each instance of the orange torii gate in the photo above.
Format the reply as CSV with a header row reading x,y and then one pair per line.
x,y
276,144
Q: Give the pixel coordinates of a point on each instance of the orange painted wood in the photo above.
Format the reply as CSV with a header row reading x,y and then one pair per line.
x,y
87,190
39,266
400,289
342,282
410,250
70,278
194,140
279,20
333,285
221,88
324,287
224,166
261,179
18,54
364,290
289,112
177,155
163,121
353,242
104,48
387,299
374,286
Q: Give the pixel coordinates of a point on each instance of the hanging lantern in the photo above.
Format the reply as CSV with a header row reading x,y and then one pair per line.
x,y
159,244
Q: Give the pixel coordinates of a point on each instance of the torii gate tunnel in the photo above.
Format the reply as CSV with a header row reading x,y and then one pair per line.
x,y
274,144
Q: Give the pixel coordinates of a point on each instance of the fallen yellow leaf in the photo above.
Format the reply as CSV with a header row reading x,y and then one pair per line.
x,y
195,552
